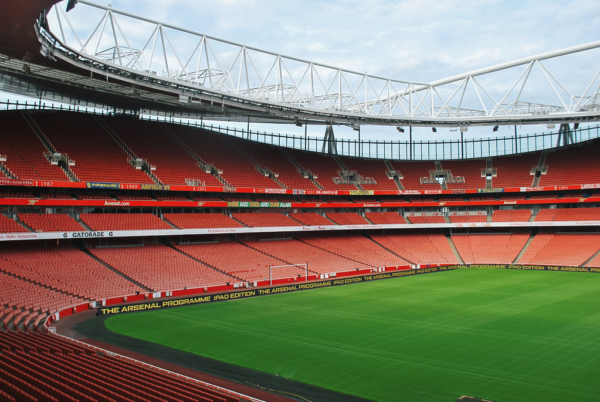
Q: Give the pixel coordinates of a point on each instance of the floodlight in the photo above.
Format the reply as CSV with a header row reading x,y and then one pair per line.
x,y
495,128
400,129
434,129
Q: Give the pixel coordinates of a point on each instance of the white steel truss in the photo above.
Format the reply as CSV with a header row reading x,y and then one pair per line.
x,y
530,92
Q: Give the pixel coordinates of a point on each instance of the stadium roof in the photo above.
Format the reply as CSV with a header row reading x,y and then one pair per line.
x,y
105,66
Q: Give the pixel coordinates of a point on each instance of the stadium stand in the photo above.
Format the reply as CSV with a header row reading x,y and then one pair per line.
x,y
216,150
24,151
356,248
385,218
173,163
511,215
159,267
51,222
25,303
97,156
124,222
469,169
10,226
266,219
201,221
489,248
418,248
427,219
412,173
296,252
47,367
272,158
347,218
575,165
371,168
239,261
323,166
568,214
561,249
514,171
467,218
311,219
65,269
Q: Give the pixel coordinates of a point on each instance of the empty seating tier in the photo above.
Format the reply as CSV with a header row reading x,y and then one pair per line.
x,y
385,218
296,252
561,249
97,156
242,262
311,219
24,151
418,248
266,219
511,215
356,248
124,222
568,214
202,221
51,222
159,267
10,226
490,248
468,218
66,269
347,218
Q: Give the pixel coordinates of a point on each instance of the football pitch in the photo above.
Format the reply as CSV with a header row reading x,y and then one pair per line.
x,y
501,335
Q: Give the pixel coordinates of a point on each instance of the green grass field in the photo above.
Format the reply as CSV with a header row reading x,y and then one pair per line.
x,y
503,335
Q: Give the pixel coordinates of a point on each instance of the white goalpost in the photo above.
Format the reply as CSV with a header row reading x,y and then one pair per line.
x,y
300,266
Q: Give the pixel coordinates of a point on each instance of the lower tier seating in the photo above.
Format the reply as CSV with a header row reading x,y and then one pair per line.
x,y
385,218
347,218
418,248
267,219
561,249
490,248
159,267
201,221
312,219
48,367
51,222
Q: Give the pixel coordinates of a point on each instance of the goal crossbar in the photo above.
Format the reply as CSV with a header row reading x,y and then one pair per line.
x,y
271,267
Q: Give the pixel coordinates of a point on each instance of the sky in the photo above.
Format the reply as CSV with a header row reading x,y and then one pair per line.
x,y
414,40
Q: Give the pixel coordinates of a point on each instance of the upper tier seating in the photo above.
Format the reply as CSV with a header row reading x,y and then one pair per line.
x,y
97,156
24,150
561,249
357,248
322,166
51,222
511,215
311,219
10,226
239,261
489,248
201,221
418,248
124,222
159,267
271,157
65,268
514,171
412,173
469,169
575,165
568,214
148,140
385,218
51,368
296,252
347,218
215,149
371,168
467,218
267,219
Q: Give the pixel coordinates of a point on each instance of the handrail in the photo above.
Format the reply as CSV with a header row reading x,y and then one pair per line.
x,y
388,150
